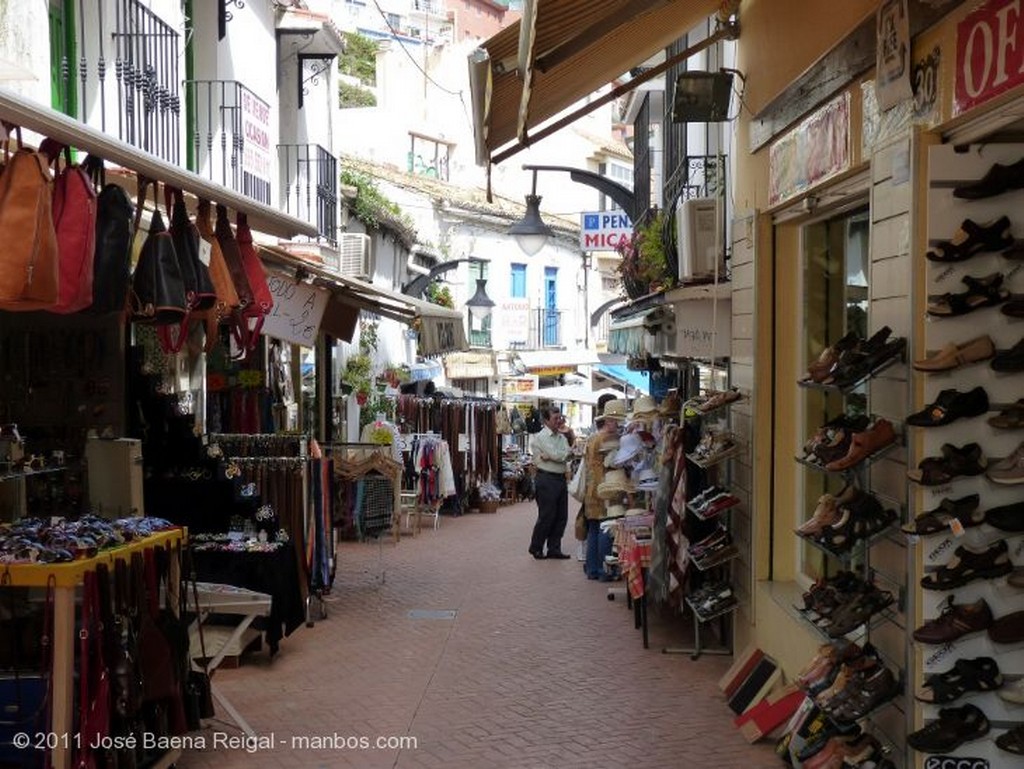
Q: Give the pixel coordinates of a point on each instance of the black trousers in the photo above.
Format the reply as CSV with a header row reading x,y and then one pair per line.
x,y
552,512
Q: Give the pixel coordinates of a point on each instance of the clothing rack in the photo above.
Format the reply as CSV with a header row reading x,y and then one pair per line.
x,y
260,444
374,509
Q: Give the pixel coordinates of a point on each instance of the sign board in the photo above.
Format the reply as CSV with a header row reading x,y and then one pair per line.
x,y
604,230
515,321
989,53
256,156
298,310
512,386
702,331
815,150
892,56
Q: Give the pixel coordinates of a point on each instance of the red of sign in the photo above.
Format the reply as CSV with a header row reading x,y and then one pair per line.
x,y
989,53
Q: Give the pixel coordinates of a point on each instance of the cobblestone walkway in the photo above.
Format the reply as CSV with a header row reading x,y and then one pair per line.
x,y
460,640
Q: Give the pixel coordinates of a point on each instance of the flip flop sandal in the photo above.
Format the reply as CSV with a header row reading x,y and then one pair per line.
x,y
972,238
981,292
1012,741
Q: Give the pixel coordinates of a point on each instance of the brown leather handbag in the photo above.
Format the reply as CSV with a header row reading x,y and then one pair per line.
x,y
29,278
223,285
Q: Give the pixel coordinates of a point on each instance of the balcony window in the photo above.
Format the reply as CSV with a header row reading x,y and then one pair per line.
x,y
517,288
309,186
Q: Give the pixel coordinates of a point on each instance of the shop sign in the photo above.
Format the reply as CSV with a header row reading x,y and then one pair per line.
x,y
817,149
955,762
515,320
989,53
297,312
512,386
256,159
604,230
892,58
440,335
702,330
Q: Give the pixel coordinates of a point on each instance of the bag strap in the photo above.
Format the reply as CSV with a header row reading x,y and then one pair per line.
x,y
84,638
199,618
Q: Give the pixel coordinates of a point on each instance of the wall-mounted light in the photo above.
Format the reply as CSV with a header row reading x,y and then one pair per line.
x,y
480,305
530,232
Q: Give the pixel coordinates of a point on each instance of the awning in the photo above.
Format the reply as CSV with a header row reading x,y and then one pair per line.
x,y
440,329
641,380
469,365
429,369
37,117
578,47
628,337
555,361
575,394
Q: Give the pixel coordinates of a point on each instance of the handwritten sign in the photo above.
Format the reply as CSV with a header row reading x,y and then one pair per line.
x,y
298,309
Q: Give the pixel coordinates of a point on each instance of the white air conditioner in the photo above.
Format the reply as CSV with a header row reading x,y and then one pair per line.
x,y
699,238
354,255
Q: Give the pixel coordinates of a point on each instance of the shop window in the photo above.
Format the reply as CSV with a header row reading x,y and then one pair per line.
x,y
835,289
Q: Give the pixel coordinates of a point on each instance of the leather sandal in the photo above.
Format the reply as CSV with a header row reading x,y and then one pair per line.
x,y
981,292
1012,741
967,565
954,462
967,675
1010,418
965,510
971,239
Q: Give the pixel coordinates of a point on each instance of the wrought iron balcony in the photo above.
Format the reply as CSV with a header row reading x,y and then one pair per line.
x,y
120,73
230,144
309,186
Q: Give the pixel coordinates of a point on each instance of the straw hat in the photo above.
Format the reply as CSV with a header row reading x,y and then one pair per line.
x,y
644,406
615,482
615,511
614,408
636,511
671,404
647,480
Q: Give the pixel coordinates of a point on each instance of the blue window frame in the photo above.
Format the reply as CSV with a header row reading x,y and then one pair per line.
x,y
518,287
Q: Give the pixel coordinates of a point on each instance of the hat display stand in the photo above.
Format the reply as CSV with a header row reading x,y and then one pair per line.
x,y
712,598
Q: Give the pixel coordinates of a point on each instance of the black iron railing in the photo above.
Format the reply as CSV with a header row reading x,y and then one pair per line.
x,y
546,329
309,186
231,140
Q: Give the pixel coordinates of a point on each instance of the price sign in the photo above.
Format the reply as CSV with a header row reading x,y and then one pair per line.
x,y
298,309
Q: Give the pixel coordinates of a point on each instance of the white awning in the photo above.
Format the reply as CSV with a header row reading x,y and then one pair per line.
x,y
556,361
470,365
574,394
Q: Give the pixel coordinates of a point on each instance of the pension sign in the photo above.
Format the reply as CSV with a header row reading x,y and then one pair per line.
x,y
604,230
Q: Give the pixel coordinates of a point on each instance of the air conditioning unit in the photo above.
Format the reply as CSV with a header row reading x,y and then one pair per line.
x,y
699,238
354,255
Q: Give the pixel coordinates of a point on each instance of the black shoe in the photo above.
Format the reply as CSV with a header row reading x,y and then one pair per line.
x,y
561,556
537,554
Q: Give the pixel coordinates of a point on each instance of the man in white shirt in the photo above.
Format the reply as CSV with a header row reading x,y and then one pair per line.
x,y
551,449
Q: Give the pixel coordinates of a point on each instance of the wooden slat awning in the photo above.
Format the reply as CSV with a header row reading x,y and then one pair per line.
x,y
579,46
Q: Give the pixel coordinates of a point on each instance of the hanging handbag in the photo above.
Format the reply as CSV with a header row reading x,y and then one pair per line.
x,y
74,220
227,295
199,291
114,228
578,484
158,290
29,259
249,321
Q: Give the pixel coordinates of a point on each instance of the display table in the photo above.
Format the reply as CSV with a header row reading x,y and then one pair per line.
x,y
273,572
65,578
634,561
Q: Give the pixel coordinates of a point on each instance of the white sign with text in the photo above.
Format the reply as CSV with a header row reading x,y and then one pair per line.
x,y
298,310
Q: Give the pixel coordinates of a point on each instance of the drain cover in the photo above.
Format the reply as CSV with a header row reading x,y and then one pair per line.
x,y
431,614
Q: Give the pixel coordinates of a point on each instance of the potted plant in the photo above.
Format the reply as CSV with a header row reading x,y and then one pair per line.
x,y
489,495
644,265
356,375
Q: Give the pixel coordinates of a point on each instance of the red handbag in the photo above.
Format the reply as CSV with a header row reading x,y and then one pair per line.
x,y
94,685
74,219
249,319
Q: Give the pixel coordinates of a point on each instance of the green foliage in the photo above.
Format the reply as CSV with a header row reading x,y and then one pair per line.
x,y
371,206
351,96
644,265
438,293
359,59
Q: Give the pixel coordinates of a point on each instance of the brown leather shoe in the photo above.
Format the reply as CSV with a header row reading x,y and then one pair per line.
x,y
955,621
864,444
825,514
953,355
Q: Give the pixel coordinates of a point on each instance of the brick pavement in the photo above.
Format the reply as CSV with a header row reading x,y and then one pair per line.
x,y
536,670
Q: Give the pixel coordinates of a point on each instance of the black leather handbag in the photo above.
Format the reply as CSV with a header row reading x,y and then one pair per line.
x,y
158,288
111,270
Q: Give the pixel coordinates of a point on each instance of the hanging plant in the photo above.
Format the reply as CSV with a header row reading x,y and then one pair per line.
x,y
652,259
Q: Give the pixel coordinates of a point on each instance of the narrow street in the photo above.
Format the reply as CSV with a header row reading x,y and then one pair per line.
x,y
484,656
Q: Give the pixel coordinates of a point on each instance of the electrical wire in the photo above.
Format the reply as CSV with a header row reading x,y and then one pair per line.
x,y
398,39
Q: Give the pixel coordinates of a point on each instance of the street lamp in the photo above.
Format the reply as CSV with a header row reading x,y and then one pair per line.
x,y
480,305
530,232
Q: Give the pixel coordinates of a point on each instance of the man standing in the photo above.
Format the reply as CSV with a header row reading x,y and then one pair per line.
x,y
551,449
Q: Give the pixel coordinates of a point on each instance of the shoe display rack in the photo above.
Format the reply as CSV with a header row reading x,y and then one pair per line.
x,y
715,599
853,600
966,527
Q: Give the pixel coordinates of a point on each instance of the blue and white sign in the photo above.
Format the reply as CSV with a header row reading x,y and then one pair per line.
x,y
604,230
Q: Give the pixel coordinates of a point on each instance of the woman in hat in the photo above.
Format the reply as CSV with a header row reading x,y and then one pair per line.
x,y
605,438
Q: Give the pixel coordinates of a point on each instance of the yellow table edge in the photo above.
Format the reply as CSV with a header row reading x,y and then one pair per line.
x,y
70,574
